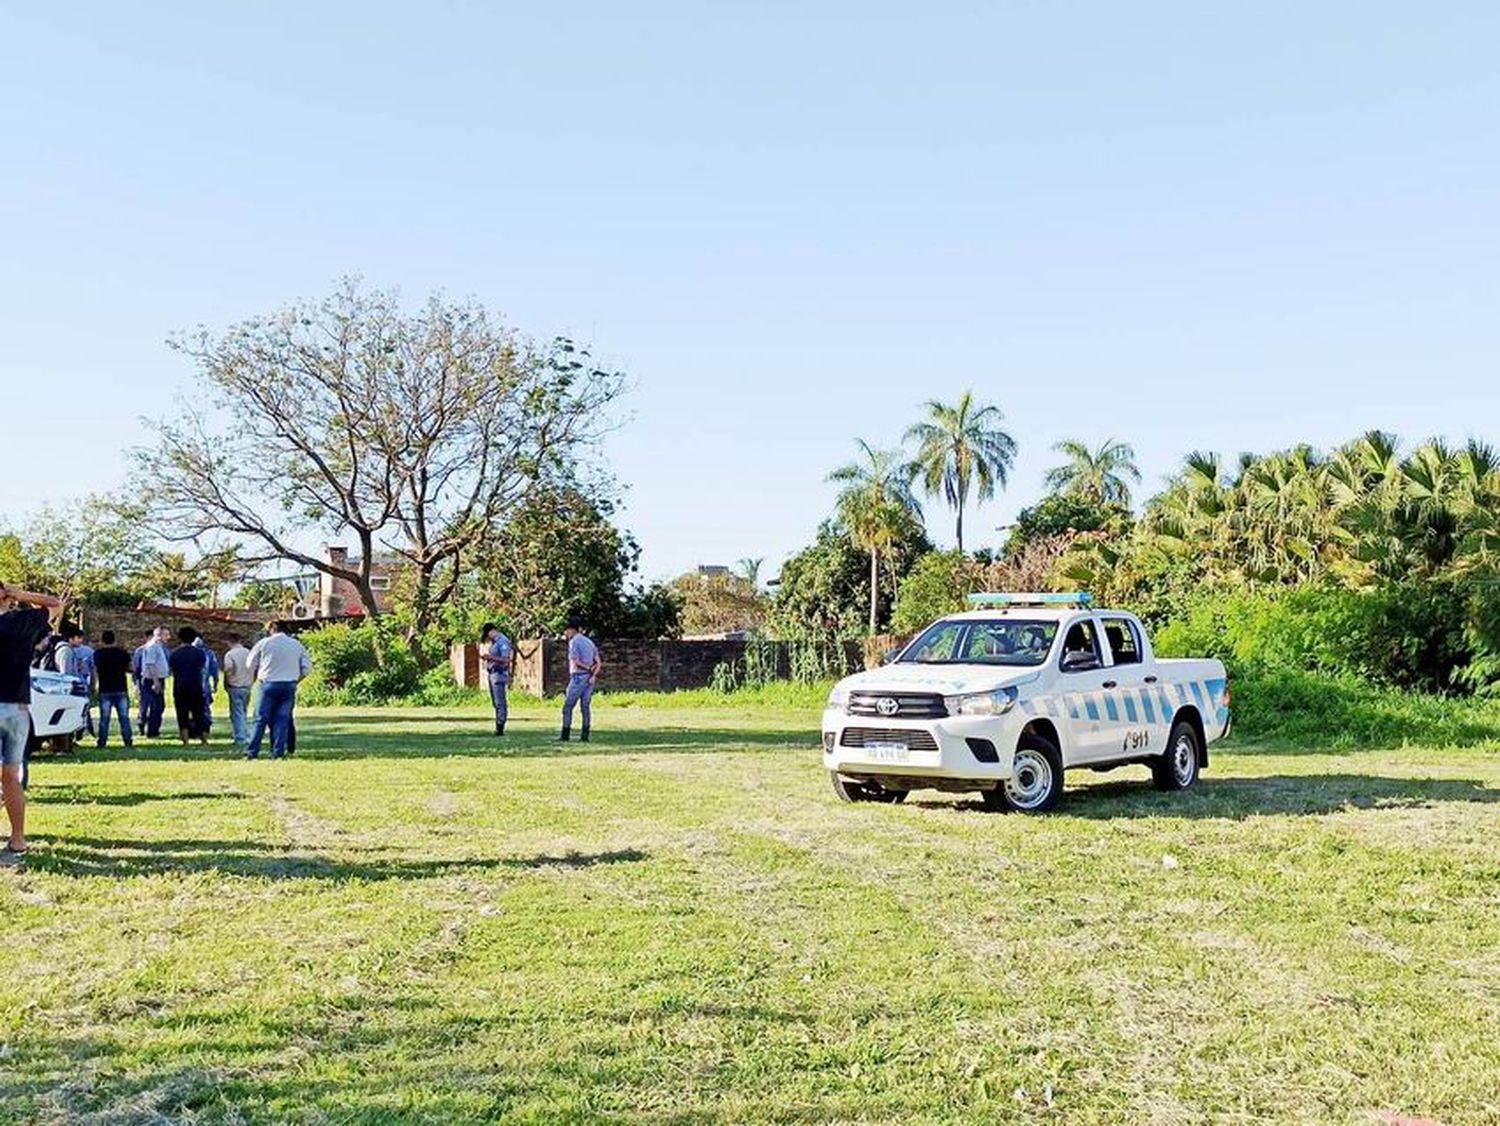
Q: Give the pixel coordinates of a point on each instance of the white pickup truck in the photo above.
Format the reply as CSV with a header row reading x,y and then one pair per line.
x,y
1004,698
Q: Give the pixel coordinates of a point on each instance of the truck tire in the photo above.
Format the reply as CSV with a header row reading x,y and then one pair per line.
x,y
849,790
1036,781
1176,768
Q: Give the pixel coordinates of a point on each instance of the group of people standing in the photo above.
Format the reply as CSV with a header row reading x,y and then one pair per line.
x,y
498,653
277,662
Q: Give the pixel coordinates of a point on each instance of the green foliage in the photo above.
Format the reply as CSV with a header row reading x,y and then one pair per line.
x,y
1099,475
560,554
771,662
76,551
1059,514
935,585
358,664
718,603
825,588
961,448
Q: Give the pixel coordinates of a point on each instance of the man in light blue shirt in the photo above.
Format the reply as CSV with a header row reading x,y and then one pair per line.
x,y
498,655
583,673
279,661
154,671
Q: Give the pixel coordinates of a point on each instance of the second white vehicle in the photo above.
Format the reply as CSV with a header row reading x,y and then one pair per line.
x,y
1006,697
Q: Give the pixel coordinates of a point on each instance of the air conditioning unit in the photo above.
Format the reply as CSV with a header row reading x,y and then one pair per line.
x,y
302,611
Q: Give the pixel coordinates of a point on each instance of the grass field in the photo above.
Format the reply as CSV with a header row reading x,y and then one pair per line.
x,y
678,923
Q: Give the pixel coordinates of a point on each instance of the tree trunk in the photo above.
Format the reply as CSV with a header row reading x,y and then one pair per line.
x,y
874,591
960,527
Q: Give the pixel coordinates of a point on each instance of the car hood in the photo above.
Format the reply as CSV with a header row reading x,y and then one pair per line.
x,y
945,680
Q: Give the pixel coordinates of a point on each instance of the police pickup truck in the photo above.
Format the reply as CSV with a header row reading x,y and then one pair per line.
x,y
1004,698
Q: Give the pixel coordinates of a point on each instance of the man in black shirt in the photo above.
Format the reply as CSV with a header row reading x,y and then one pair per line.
x,y
112,667
20,630
187,662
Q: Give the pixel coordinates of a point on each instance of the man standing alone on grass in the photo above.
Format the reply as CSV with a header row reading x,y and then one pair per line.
x,y
20,631
583,673
279,661
187,663
112,664
238,680
499,655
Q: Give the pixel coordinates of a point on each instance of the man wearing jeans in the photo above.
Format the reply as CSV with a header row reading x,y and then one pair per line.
x,y
112,665
583,671
20,630
238,681
154,669
278,661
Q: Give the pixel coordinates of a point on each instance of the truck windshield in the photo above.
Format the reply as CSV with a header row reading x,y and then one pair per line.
x,y
1005,642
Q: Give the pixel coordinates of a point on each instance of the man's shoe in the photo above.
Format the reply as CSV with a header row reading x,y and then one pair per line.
x,y
499,729
565,736
584,738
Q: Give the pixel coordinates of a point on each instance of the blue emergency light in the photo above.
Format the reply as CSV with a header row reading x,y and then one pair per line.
x,y
1032,598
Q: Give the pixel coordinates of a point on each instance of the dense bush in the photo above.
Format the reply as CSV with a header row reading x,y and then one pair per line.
x,y
1409,635
358,664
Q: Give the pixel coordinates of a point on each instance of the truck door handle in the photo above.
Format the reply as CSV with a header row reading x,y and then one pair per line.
x,y
1151,680
1111,684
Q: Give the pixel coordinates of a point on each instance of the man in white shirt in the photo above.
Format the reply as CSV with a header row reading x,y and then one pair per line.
x,y
279,661
154,671
238,681
584,664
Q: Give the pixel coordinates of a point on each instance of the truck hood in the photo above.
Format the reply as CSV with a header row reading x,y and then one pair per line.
x,y
946,680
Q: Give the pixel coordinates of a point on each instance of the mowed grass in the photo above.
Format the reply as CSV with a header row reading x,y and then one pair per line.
x,y
414,921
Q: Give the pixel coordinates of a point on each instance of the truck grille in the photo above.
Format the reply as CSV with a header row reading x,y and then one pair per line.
x,y
914,738
909,705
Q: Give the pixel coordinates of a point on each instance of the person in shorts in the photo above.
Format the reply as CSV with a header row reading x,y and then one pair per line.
x,y
21,628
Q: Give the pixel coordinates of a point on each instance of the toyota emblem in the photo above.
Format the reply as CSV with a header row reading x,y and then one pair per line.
x,y
887,705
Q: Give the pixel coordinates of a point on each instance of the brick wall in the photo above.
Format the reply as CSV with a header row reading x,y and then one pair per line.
x,y
629,666
130,625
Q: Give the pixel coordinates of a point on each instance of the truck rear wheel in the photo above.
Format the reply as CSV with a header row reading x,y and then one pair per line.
x,y
1035,784
1177,767
850,790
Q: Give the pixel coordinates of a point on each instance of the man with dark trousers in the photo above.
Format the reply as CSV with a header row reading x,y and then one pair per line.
x,y
187,663
583,673
112,667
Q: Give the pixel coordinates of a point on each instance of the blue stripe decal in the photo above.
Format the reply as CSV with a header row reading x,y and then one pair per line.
x,y
1167,707
1109,707
1129,702
1090,707
1200,698
1148,705
1073,707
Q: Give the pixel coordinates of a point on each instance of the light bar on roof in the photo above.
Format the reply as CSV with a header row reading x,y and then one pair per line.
x,y
1032,598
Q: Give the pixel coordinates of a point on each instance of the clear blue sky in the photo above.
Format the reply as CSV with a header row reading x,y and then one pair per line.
x,y
1184,224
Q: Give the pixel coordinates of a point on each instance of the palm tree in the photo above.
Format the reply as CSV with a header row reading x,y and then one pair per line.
x,y
876,504
961,447
1099,474
749,569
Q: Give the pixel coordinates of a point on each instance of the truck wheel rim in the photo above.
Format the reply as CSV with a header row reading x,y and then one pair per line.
x,y
1184,758
1030,780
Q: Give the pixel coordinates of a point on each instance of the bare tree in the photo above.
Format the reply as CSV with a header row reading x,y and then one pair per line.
x,y
414,433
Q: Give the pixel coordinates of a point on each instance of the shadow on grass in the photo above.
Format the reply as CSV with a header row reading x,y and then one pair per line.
x,y
1239,798
363,738
102,856
69,794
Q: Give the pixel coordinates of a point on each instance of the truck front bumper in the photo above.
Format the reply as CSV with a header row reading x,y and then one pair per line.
x,y
955,753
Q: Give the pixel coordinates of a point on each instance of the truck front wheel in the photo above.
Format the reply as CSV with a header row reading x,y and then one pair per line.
x,y
1035,784
849,790
1177,768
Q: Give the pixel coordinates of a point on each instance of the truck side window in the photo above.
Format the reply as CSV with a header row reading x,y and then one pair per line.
x,y
1081,639
1123,642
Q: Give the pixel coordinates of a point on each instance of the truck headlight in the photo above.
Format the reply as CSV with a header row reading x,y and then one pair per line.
x,y
982,703
838,698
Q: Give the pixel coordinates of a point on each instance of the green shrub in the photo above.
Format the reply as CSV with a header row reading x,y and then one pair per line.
x,y
357,664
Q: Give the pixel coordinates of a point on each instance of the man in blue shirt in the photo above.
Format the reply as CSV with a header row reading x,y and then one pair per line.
x,y
498,655
152,671
210,682
583,673
81,665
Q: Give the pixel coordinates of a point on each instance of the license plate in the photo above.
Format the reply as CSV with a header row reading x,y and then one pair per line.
x,y
887,752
